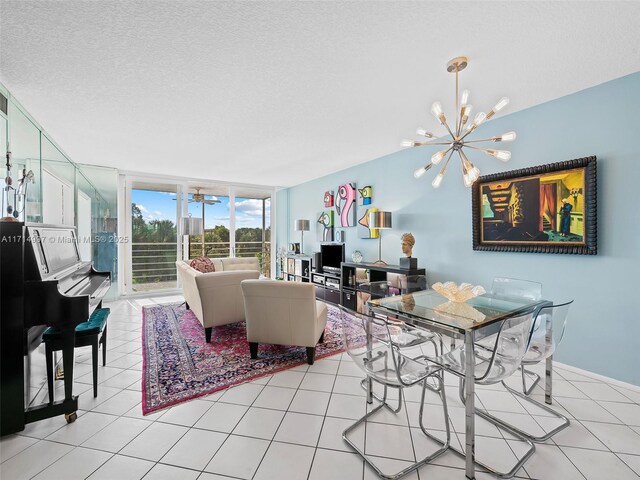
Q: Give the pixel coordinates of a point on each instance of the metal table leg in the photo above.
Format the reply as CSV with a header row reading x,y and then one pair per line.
x,y
548,379
548,369
470,410
369,382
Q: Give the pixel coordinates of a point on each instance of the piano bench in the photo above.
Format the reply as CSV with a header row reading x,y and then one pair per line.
x,y
92,332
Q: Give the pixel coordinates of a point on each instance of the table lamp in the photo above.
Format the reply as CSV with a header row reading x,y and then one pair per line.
x,y
190,226
381,221
301,226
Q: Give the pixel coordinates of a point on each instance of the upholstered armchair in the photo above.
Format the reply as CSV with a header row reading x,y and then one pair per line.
x,y
283,313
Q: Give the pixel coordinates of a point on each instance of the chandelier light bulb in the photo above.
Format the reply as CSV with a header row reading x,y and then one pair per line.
x,y
436,109
464,98
507,137
422,170
466,113
480,117
504,101
503,155
424,133
466,178
437,181
438,156
407,143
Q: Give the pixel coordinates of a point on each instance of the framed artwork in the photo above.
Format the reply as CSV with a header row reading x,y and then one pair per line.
x,y
346,205
545,209
364,195
325,226
363,224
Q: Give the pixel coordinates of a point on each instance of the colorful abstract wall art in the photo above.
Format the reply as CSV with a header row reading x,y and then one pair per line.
x,y
346,205
363,224
364,195
325,226
328,199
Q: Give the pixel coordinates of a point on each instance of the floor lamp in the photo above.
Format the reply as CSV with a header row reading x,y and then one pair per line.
x,y
190,226
380,221
301,226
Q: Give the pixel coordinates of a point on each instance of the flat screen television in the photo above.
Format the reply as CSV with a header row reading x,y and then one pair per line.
x,y
332,256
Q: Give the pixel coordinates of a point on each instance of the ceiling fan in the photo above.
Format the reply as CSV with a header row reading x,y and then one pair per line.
x,y
200,198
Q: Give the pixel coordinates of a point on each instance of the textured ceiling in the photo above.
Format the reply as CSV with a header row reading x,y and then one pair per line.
x,y
276,93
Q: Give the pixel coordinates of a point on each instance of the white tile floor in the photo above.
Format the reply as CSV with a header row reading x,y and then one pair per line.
x,y
289,425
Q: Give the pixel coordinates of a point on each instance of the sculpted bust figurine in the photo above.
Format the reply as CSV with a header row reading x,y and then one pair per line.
x,y
408,241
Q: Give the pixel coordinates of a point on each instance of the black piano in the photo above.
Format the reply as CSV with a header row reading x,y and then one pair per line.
x,y
43,283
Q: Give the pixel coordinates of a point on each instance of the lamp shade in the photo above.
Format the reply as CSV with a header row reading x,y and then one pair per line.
x,y
301,225
380,220
192,226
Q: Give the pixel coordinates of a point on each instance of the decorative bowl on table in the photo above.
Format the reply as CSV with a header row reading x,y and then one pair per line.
x,y
458,294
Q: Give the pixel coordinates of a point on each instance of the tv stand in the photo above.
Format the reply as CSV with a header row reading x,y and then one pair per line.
x,y
327,286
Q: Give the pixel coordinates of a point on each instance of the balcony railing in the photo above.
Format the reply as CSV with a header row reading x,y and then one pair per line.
x,y
154,267
154,263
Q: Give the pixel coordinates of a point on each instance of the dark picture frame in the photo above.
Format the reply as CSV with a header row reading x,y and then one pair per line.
x,y
544,209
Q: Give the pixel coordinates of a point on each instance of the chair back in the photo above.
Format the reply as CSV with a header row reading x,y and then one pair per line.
x,y
541,345
500,358
276,310
513,287
379,357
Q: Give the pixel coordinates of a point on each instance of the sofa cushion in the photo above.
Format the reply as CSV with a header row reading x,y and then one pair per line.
x,y
202,264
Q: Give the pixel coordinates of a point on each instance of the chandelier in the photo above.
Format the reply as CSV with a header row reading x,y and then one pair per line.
x,y
462,129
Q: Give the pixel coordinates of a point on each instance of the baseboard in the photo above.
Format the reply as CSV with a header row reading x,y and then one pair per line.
x,y
596,376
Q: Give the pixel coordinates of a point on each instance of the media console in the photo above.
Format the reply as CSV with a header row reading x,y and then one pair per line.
x,y
341,288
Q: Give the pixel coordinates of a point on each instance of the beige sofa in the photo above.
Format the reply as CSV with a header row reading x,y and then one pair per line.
x,y
283,313
216,298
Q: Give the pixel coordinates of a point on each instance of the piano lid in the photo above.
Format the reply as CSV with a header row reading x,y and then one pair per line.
x,y
55,248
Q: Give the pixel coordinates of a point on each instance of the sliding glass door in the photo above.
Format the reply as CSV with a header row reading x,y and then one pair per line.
x,y
154,237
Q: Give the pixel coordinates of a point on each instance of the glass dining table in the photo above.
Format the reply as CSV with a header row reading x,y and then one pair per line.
x,y
429,310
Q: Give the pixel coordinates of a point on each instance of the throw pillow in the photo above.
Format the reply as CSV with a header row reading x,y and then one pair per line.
x,y
203,264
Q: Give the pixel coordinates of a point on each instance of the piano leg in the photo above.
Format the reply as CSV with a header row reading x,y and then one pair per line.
x,y
49,355
68,361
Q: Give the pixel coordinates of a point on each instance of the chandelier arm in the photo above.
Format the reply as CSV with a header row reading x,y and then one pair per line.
x,y
426,144
466,134
465,158
460,124
443,170
453,137
476,141
458,119
485,150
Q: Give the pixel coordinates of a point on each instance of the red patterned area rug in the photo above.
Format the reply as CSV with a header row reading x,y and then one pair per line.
x,y
179,365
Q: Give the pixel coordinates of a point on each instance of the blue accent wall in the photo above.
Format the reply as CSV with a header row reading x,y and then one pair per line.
x,y
603,334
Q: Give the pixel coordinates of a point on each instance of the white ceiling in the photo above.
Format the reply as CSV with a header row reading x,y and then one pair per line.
x,y
276,93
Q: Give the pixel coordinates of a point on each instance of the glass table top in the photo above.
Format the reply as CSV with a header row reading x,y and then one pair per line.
x,y
431,308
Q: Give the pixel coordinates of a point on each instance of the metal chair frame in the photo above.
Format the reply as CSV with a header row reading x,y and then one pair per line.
x,y
397,359
491,359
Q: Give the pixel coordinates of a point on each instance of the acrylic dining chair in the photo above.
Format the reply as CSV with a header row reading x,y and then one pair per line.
x,y
496,358
371,342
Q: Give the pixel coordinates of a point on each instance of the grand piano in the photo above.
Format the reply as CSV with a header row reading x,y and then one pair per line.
x,y
43,283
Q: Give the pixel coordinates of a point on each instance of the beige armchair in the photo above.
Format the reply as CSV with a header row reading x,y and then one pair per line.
x,y
215,298
283,313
